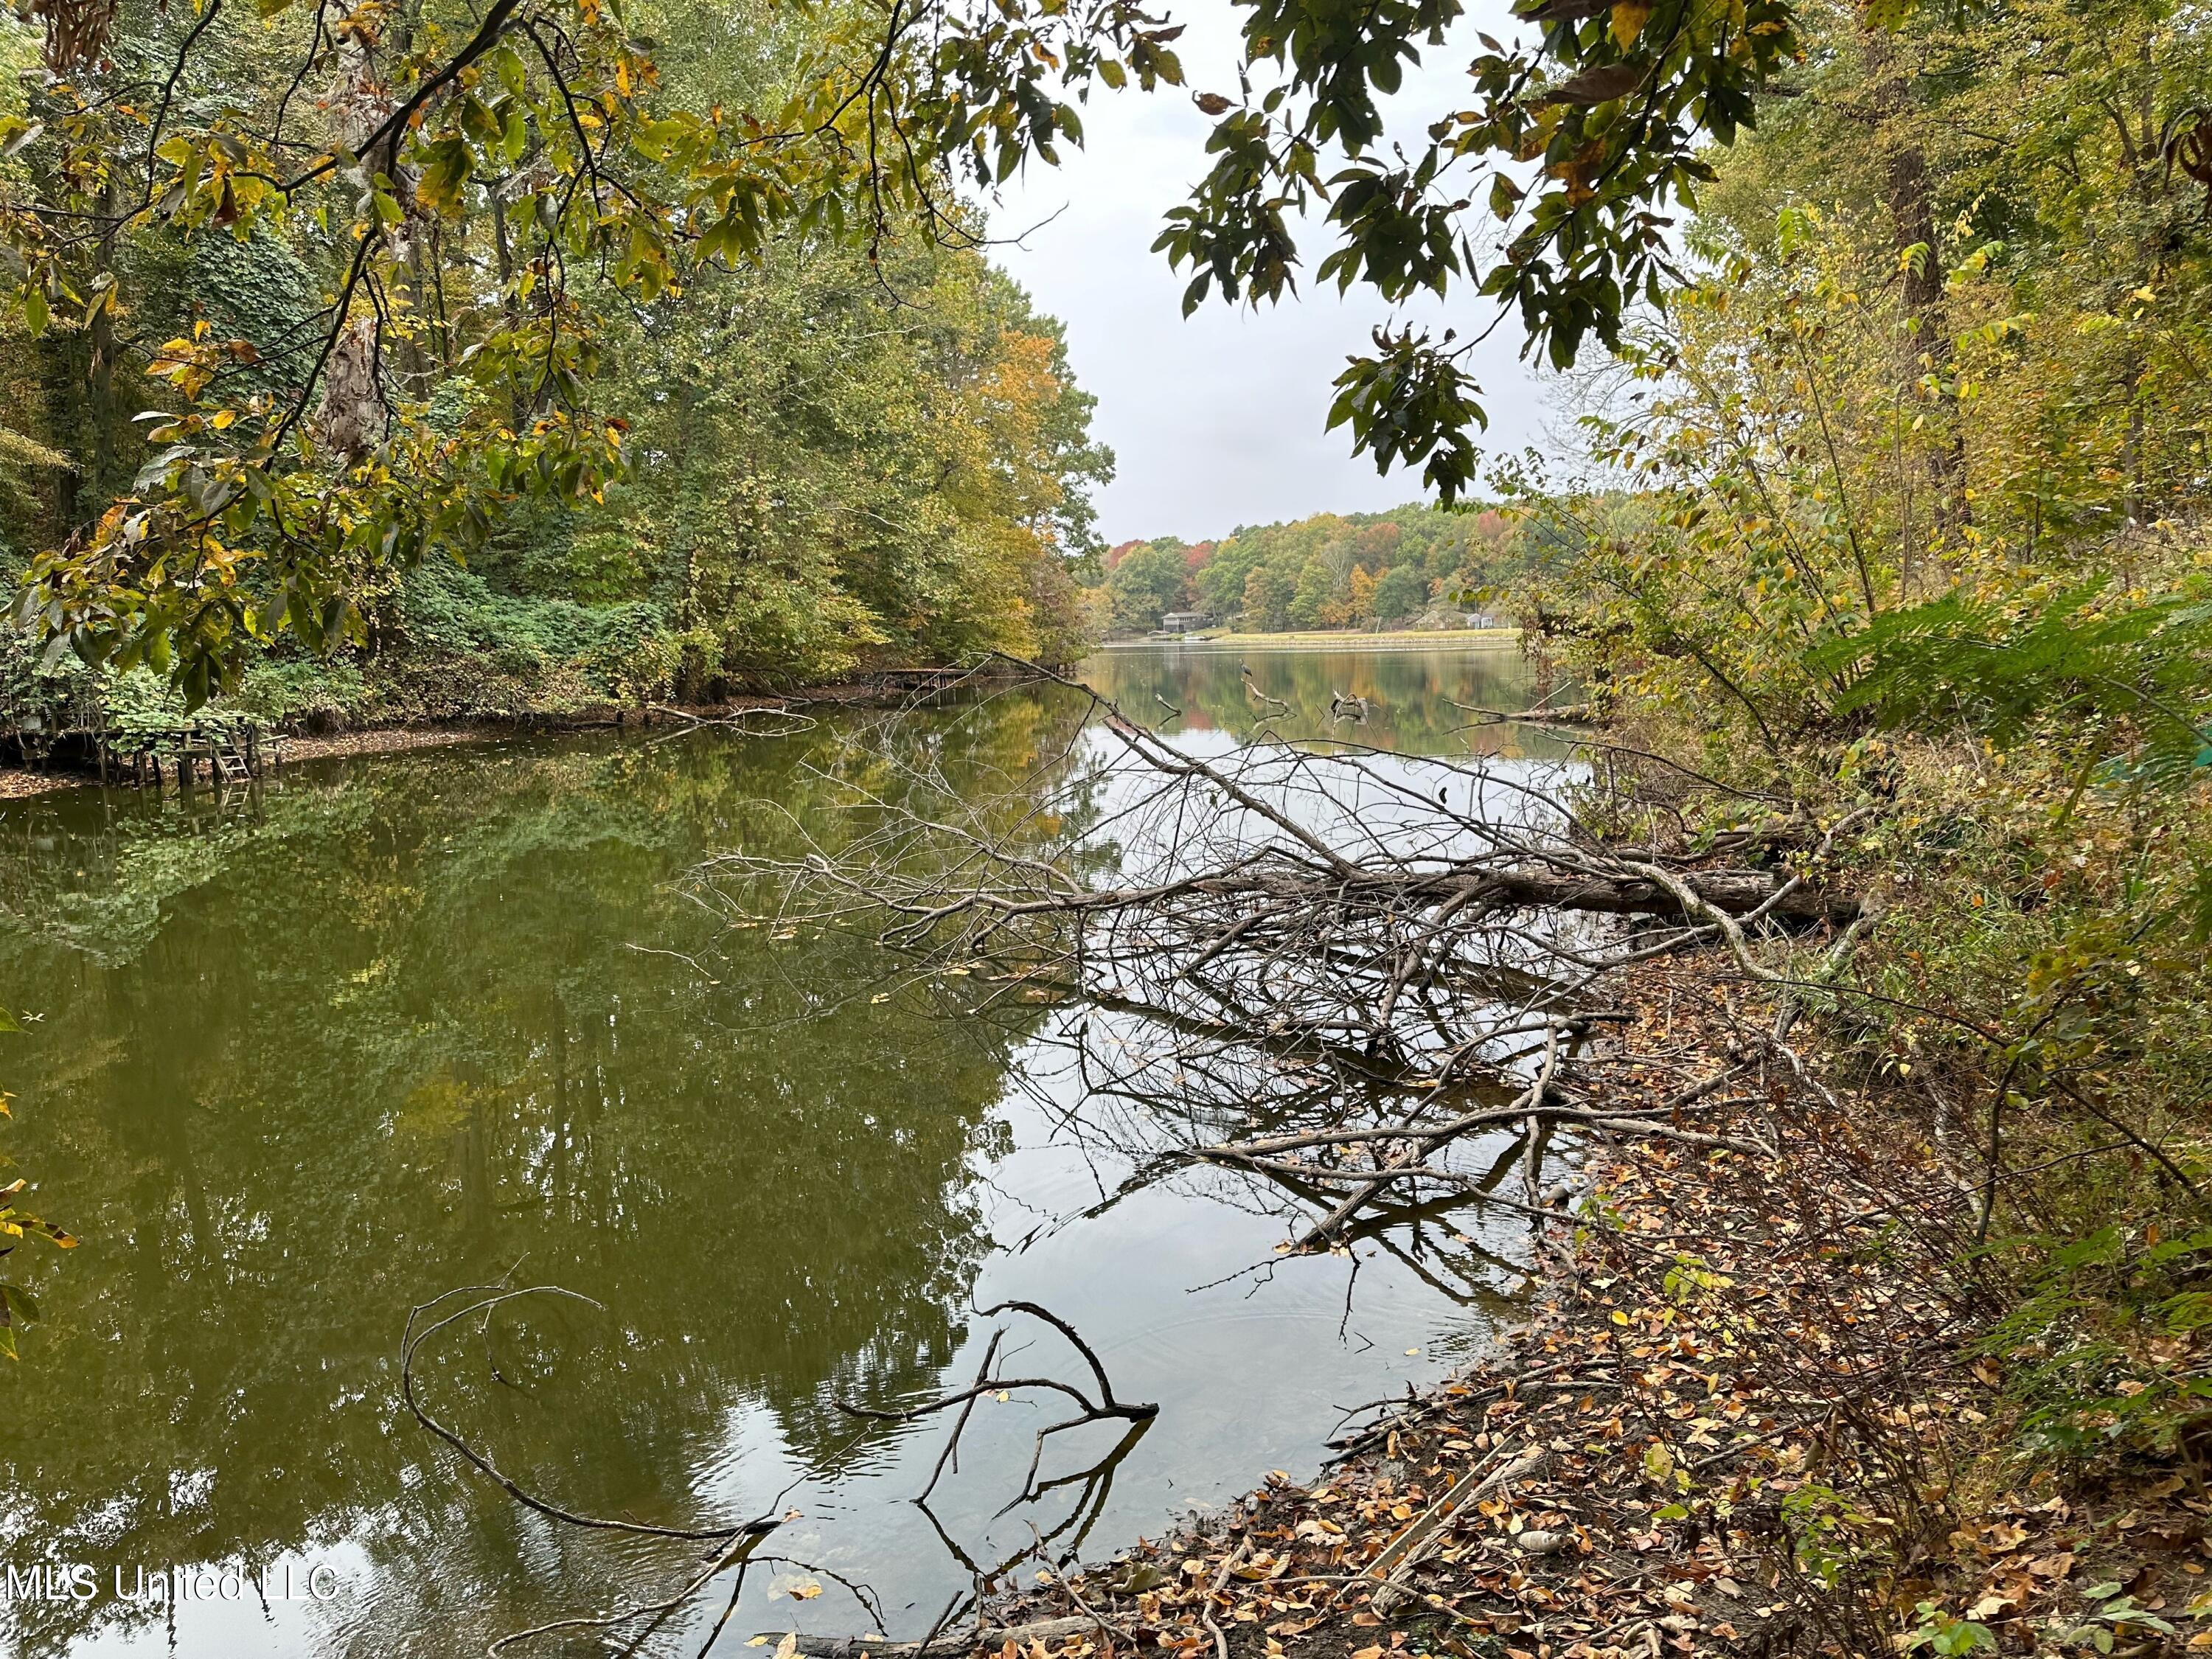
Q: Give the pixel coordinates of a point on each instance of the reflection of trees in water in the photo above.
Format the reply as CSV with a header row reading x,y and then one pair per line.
x,y
1157,1087
386,1033
377,1034
1409,694
1220,985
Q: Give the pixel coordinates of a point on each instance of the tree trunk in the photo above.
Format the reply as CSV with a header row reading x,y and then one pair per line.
x,y
1738,892
1909,190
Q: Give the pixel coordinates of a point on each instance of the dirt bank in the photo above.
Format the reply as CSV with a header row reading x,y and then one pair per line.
x,y
1744,1421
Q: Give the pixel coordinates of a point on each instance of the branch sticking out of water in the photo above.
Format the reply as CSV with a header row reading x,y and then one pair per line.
x,y
1104,1408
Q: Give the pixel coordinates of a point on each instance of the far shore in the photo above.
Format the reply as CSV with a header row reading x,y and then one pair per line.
x,y
1324,639
19,782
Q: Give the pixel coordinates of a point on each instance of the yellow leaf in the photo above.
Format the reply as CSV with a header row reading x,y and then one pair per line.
x,y
806,1592
1628,19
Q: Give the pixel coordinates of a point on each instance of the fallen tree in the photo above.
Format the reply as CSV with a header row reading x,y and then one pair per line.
x,y
1373,959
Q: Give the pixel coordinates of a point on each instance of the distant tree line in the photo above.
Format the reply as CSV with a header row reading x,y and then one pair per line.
x,y
1411,565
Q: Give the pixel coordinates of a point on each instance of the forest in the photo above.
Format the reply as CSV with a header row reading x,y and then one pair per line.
x,y
1328,571
825,453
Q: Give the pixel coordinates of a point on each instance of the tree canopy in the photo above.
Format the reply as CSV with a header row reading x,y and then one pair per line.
x,y
304,293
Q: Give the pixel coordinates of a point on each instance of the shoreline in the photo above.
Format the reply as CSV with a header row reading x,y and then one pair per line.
x,y
19,782
1467,1519
1322,639
23,783
1726,1346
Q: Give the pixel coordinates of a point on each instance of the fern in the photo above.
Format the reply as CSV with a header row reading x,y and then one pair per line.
x,y
2141,669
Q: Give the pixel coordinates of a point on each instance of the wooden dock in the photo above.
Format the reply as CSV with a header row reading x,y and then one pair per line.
x,y
228,752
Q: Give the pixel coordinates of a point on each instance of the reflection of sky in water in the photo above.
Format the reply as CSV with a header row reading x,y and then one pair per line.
x,y
459,898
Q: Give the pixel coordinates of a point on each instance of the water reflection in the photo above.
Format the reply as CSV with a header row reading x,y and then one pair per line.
x,y
305,1061
1416,701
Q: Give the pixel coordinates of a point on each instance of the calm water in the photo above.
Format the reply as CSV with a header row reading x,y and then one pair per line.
x,y
304,1060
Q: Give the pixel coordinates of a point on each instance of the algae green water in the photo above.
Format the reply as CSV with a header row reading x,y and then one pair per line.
x,y
303,1058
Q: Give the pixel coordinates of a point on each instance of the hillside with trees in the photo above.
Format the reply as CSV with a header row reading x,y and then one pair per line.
x,y
465,424
1413,565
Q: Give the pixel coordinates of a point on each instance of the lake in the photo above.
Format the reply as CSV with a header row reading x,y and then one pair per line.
x,y
301,1059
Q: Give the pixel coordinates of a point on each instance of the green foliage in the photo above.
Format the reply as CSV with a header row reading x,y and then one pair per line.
x,y
1412,402
2110,1616
1935,1630
2100,1342
1832,1538
450,615
1999,669
1326,571
377,285
1401,591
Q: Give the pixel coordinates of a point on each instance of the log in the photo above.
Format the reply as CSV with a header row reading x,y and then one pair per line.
x,y
1738,892
1048,1631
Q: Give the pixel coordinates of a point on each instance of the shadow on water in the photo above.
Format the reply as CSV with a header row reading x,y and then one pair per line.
x,y
304,1058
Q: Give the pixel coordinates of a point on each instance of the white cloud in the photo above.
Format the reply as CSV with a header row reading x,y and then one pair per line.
x,y
1217,420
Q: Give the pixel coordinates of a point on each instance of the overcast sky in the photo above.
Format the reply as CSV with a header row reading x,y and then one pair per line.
x,y
1218,420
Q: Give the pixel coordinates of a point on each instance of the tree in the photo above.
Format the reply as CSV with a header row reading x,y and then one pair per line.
x,y
1314,602
1148,583
1400,593
1359,595
1267,595
1618,102
472,197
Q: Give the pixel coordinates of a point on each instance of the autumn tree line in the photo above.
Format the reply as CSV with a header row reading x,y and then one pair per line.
x,y
1412,565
